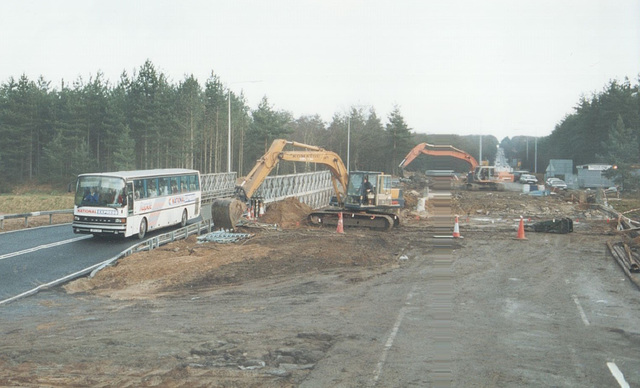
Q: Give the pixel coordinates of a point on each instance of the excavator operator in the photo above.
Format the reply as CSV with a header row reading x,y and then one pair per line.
x,y
366,191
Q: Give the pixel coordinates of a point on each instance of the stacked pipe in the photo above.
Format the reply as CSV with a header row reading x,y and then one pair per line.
x,y
626,258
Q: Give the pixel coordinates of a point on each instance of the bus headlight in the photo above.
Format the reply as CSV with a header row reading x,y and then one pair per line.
x,y
121,220
76,218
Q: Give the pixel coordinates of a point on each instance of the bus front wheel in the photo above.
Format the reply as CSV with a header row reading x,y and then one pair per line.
x,y
143,229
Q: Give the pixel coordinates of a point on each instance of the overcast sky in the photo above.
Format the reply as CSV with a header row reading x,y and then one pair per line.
x,y
503,68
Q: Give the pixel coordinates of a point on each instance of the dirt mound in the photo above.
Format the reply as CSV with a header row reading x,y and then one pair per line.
x,y
287,213
186,266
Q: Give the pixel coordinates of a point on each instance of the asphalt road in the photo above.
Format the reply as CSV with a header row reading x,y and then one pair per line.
x,y
32,257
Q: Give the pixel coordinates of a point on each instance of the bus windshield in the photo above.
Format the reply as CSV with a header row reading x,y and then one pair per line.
x,y
100,191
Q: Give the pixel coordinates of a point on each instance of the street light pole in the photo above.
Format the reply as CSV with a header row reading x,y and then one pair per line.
x,y
348,144
229,132
535,159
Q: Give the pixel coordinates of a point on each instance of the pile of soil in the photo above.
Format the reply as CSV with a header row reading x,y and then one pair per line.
x,y
187,266
289,213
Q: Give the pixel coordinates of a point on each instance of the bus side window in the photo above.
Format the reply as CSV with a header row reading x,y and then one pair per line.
x,y
139,189
152,190
163,187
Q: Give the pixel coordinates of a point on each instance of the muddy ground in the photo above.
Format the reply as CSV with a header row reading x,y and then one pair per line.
x,y
233,315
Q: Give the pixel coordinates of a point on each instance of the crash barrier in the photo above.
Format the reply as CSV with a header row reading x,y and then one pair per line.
x,y
26,216
146,245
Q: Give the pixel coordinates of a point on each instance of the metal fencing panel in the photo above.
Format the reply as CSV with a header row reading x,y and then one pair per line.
x,y
220,185
314,188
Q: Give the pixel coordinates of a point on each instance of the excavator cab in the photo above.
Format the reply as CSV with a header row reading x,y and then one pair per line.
x,y
379,197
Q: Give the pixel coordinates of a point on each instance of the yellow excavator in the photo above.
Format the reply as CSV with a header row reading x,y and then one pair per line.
x,y
376,208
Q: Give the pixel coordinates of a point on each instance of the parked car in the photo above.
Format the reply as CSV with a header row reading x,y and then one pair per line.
x,y
528,179
556,183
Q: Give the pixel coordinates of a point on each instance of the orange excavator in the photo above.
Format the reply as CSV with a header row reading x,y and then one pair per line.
x,y
438,150
479,176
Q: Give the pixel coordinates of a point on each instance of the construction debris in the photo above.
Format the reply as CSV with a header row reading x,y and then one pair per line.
x,y
562,226
222,237
628,258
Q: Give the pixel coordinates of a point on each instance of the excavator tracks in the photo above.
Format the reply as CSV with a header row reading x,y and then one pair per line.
x,y
376,221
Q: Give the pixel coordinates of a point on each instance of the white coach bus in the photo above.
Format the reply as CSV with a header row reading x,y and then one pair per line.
x,y
131,203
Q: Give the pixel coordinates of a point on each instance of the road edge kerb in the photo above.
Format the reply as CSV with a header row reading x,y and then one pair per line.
x,y
146,245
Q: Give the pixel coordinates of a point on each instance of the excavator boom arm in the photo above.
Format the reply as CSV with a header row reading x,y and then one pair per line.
x,y
438,150
311,154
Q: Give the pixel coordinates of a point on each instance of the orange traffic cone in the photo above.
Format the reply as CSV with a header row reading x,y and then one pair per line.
x,y
250,213
340,228
521,230
456,229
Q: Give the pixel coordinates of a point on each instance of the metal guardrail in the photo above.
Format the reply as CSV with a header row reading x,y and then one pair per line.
x,y
146,245
157,241
26,216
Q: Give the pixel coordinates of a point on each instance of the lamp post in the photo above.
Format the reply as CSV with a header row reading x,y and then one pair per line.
x,y
348,144
229,119
535,159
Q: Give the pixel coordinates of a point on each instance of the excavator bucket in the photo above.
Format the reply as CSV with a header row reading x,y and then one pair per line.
x,y
226,212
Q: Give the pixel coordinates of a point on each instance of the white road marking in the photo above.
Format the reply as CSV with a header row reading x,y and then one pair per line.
x,y
392,336
581,311
45,246
617,375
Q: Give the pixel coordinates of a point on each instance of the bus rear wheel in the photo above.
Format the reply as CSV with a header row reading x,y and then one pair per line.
x,y
143,229
183,221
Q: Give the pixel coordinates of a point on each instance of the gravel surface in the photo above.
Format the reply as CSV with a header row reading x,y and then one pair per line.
x,y
310,307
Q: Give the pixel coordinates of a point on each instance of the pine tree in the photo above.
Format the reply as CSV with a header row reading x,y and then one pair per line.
x,y
621,151
399,135
124,155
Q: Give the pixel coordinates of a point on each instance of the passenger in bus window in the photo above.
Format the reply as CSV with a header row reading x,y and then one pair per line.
x,y
92,197
139,190
111,196
153,192
174,186
163,187
118,197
